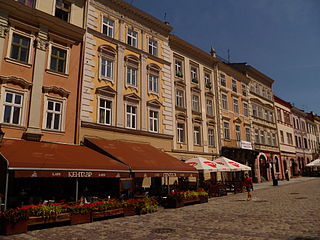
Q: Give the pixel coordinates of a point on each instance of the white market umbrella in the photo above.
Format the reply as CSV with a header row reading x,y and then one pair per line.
x,y
204,164
231,165
315,163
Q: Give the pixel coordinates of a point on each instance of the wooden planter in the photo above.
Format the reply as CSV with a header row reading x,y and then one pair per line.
x,y
190,201
129,211
14,228
78,218
108,213
40,220
203,199
174,203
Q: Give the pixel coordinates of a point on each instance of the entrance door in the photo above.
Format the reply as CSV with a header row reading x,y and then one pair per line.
x,y
263,167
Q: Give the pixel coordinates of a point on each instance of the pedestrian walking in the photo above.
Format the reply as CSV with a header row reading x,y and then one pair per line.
x,y
249,186
287,175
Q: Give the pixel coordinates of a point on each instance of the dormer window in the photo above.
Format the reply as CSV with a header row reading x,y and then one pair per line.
x,y
63,9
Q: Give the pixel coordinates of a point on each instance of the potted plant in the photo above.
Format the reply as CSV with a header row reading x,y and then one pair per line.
x,y
146,205
194,80
179,74
208,85
80,213
203,196
13,221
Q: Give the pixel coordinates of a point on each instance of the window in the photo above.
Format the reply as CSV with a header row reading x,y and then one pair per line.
x,y
211,142
297,142
224,101
106,68
196,135
265,117
132,38
269,138
131,117
245,109
105,110
248,135
108,27
132,76
271,117
264,92
153,47
29,3
255,110
194,75
226,127
180,133
281,136
256,136
235,105
20,48
195,103
234,85
53,115
258,89
279,115
262,137
179,98
63,9
223,80
178,68
153,121
259,112
153,83
289,137
274,139
207,80
58,60
244,90
209,107
238,133
305,143
12,108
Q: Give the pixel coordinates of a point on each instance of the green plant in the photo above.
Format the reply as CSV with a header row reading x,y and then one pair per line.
x,y
195,80
46,211
13,215
179,74
208,85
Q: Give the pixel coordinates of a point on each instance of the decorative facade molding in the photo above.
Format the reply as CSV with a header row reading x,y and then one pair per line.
x,y
132,97
57,90
3,31
154,103
106,91
16,80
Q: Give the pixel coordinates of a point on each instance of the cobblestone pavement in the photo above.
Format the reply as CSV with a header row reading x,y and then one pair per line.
x,y
289,211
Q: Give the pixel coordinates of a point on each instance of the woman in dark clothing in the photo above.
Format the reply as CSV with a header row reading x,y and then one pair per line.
x,y
248,184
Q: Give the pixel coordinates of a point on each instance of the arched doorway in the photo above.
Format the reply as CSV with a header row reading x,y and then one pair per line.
x,y
263,168
293,167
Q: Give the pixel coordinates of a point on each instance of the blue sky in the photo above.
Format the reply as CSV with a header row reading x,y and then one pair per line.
x,y
281,38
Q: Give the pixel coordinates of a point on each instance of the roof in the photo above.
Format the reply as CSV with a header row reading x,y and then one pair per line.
x,y
43,159
143,159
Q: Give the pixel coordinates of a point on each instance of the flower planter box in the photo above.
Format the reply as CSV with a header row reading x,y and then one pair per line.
x,y
78,218
108,213
174,203
203,199
14,228
190,201
40,220
129,211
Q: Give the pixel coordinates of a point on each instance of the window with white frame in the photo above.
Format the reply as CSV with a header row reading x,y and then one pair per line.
x,y
195,103
13,104
271,119
269,138
224,101
63,9
105,111
58,59
211,142
131,115
207,80
262,137
209,107
257,136
132,38
258,89
132,76
245,109
20,48
196,135
274,140
178,68
179,98
254,110
234,85
108,26
264,94
244,90
106,68
248,135
153,47
180,133
54,115
259,111
223,80
238,133
153,121
194,74
153,83
226,128
235,105
266,116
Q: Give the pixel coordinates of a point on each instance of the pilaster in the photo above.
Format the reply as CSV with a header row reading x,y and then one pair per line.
x,y
120,86
3,32
144,92
189,127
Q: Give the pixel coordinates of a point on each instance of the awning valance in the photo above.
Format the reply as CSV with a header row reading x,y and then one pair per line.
x,y
143,159
43,159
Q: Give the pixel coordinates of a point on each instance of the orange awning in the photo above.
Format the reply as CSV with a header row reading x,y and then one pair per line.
x,y
143,159
42,159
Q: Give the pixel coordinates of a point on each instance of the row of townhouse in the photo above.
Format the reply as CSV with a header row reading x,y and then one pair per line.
x,y
75,69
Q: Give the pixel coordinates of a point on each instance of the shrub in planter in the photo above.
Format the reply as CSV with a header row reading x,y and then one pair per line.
x,y
13,221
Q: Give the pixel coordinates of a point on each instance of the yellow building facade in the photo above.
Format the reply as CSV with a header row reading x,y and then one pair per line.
x,y
126,92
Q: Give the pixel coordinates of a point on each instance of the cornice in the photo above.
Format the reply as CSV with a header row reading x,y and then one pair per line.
x,y
57,90
16,80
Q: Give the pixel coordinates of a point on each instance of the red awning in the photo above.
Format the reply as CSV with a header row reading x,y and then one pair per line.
x,y
143,159
42,159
